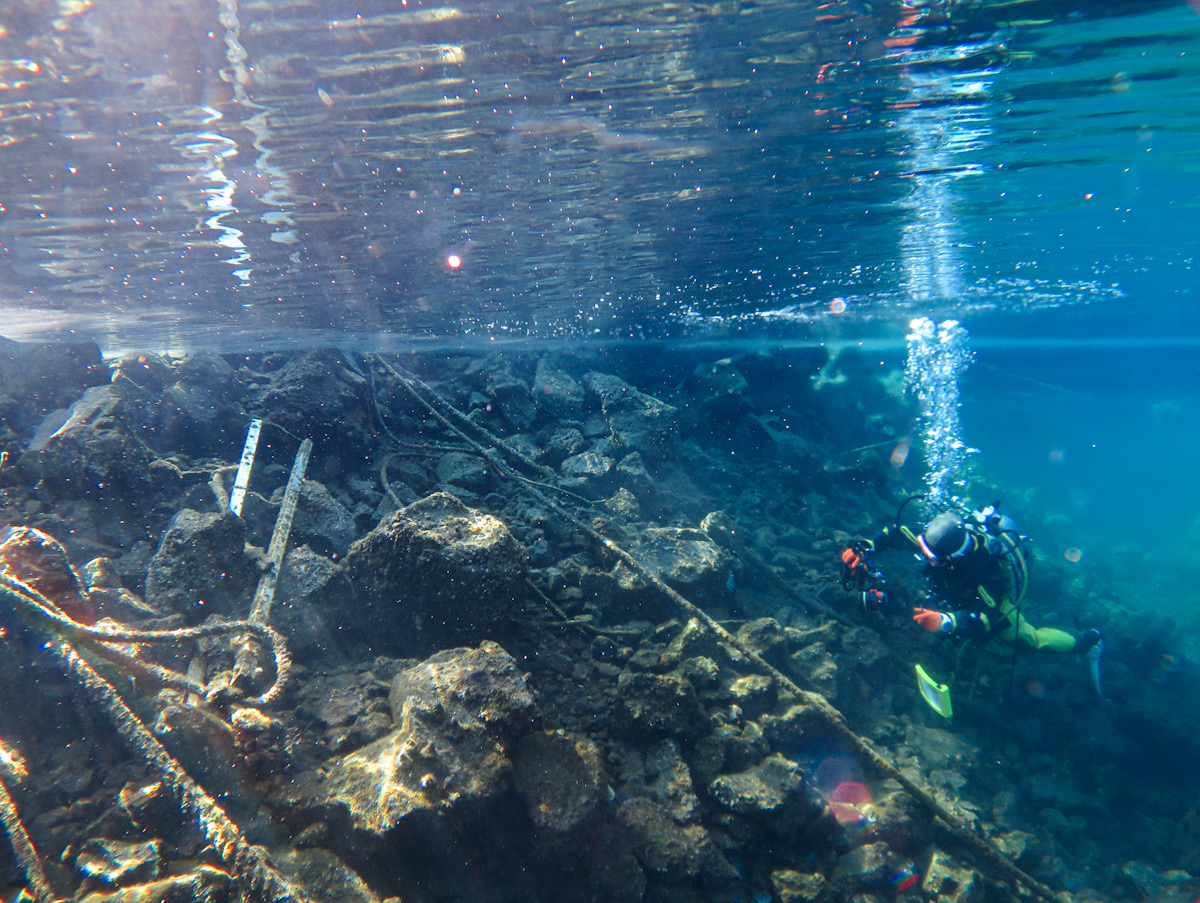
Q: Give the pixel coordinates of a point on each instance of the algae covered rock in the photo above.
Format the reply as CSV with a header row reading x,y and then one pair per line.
x,y
560,777
669,850
657,705
436,572
453,713
947,881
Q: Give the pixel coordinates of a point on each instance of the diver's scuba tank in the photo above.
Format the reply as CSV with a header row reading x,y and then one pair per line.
x,y
1000,536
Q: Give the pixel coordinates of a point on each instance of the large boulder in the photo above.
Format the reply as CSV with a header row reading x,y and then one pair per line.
x,y
454,714
637,421
201,567
35,379
91,449
434,573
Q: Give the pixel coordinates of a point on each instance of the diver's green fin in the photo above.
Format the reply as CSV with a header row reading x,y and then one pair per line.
x,y
936,694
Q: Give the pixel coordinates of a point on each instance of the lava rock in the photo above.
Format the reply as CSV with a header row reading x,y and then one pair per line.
x,y
556,392
39,561
638,421
201,568
767,790
316,395
657,705
36,379
321,521
464,470
560,778
686,560
452,712
313,601
672,851
948,882
89,449
434,572
788,886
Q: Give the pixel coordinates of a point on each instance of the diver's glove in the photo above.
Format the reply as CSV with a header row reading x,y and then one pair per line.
x,y
857,569
934,621
962,625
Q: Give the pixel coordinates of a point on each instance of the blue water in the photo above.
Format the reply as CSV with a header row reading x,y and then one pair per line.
x,y
765,172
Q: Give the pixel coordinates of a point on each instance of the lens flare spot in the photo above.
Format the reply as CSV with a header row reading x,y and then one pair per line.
x,y
850,803
837,306
1036,688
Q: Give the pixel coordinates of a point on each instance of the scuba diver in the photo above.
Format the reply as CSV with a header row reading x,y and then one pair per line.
x,y
977,572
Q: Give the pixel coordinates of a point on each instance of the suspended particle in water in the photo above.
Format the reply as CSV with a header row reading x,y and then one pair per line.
x,y
1073,554
453,261
837,306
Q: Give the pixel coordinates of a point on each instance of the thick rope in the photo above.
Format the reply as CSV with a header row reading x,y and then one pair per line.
x,y
12,764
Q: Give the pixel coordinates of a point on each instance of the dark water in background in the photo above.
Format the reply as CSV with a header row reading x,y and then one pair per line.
x,y
224,174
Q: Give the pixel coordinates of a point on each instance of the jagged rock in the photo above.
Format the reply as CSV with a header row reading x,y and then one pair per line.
x,y
38,560
348,709
324,876
315,395
468,686
206,884
669,782
815,668
436,571
453,712
788,886
754,694
313,601
638,421
672,851
587,471
36,379
201,568
116,862
766,790
686,560
657,705
150,807
467,471
624,504
560,444
869,866
560,778
765,637
88,449
946,881
321,521
556,392
632,475
189,417
510,398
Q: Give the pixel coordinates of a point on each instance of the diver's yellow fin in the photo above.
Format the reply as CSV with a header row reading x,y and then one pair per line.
x,y
934,693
